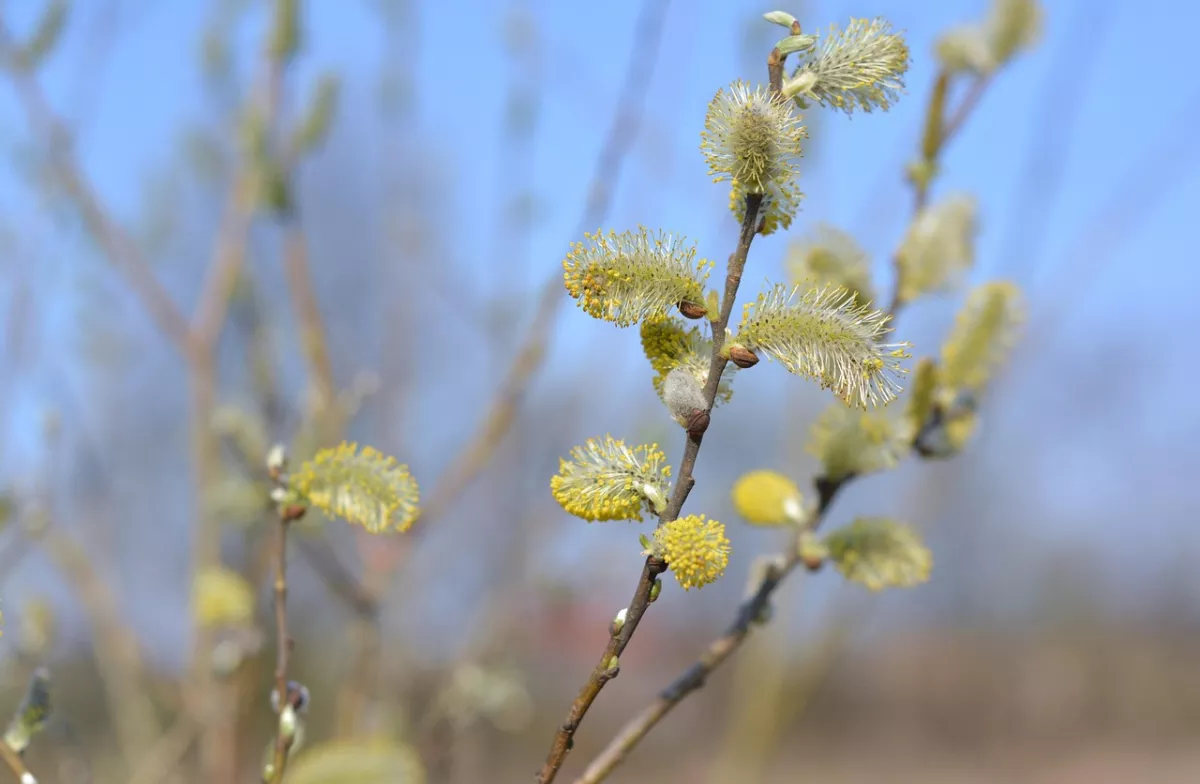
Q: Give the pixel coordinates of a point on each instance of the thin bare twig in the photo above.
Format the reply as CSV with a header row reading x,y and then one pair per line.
x,y
165,755
323,560
964,109
123,254
117,653
313,342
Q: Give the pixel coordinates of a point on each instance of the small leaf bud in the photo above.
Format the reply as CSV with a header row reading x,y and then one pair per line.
x,y
276,460
742,356
781,18
618,622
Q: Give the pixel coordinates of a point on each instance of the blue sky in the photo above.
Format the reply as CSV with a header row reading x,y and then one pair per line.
x,y
1081,157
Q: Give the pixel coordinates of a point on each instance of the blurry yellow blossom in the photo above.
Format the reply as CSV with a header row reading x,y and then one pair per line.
x,y
366,488
983,332
826,255
850,442
768,498
938,247
879,553
223,598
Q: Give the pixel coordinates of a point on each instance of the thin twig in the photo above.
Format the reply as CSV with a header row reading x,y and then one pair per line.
x,y
166,755
313,340
608,666
122,253
320,556
17,765
283,645
752,608
959,117
116,646
607,669
714,655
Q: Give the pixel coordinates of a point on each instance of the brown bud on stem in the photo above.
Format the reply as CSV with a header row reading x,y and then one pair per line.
x,y
697,423
292,512
742,357
692,310
812,563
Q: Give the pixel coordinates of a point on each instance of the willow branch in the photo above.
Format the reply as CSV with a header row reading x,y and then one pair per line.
x,y
713,656
167,754
313,340
340,581
117,653
17,765
607,668
283,643
120,250
959,117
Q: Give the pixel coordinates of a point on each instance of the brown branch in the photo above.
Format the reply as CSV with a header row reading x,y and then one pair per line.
x,y
713,656
608,666
751,609
117,653
17,765
122,252
283,644
165,755
963,110
313,341
223,271
340,581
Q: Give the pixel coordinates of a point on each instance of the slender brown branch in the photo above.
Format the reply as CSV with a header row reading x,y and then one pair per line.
x,y
337,577
313,340
283,645
165,755
117,652
713,656
228,256
608,666
122,253
959,117
730,640
17,765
